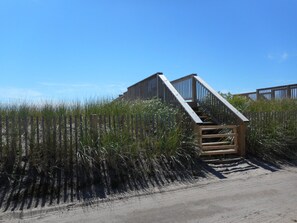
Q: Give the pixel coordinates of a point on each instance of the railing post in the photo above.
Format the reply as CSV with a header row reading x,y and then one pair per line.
x,y
194,90
289,92
258,94
157,85
272,94
241,139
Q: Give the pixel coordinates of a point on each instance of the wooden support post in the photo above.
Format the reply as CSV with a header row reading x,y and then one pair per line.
x,y
241,139
198,135
235,143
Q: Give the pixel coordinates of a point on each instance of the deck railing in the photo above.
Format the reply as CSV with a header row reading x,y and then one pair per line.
x,y
278,92
185,87
158,86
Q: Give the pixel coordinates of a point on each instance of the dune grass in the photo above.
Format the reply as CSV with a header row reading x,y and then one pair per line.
x,y
272,130
101,135
244,104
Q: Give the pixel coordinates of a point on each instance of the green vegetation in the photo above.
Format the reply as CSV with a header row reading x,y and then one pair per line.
x,y
100,107
244,104
272,131
108,142
240,103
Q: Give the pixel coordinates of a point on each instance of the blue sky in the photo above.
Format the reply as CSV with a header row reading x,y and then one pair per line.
x,y
76,49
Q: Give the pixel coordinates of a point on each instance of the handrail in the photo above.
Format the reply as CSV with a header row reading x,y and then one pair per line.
x,y
248,95
279,87
216,100
159,86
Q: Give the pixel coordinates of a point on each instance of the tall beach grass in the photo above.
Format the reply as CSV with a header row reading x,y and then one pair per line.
x,y
272,130
81,139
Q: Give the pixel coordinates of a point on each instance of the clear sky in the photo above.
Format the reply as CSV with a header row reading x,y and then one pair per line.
x,y
75,49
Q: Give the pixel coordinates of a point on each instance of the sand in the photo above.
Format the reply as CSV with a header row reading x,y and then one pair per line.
x,y
246,192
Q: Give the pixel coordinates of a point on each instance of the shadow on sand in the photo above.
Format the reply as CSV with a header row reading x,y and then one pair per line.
x,y
33,189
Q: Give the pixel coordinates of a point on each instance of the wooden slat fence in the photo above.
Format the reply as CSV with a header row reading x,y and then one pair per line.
x,y
271,122
59,141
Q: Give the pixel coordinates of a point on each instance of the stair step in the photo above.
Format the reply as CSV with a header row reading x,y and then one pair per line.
x,y
215,143
207,128
218,127
218,147
218,152
203,116
218,135
208,123
222,160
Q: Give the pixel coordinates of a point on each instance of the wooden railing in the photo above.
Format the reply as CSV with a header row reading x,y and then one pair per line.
x,y
157,86
221,110
145,89
197,91
278,92
248,95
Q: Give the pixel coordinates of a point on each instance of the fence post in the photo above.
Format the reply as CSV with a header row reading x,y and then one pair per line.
x,y
93,125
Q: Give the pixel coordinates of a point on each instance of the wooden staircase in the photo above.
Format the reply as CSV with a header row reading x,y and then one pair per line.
x,y
220,128
215,139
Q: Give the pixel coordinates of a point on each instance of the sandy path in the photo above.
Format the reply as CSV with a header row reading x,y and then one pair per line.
x,y
265,197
